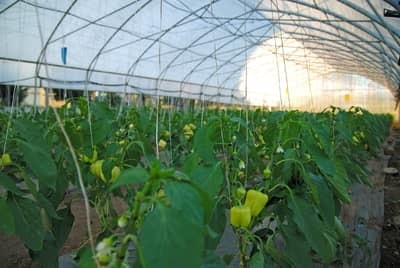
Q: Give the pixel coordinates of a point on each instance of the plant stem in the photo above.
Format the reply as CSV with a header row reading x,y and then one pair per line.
x,y
243,250
122,250
81,184
139,198
139,252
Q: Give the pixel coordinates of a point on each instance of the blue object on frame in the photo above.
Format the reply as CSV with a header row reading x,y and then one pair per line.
x,y
64,55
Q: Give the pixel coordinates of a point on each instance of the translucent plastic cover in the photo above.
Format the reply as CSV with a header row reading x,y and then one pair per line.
x,y
292,53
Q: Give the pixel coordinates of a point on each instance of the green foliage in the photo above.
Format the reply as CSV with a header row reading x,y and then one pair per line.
x,y
7,220
177,200
170,237
27,220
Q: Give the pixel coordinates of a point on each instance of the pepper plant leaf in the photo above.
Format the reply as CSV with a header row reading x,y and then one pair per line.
x,y
6,219
27,221
311,226
185,198
40,162
169,238
130,176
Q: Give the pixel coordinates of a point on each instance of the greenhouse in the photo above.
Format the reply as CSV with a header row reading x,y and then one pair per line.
x,y
183,133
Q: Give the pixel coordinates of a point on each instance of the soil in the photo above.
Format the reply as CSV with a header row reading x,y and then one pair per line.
x,y
390,251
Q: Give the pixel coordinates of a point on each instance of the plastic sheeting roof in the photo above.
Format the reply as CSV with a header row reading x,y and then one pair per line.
x,y
224,50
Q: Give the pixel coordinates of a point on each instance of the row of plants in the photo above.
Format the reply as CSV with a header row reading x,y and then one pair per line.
x,y
278,178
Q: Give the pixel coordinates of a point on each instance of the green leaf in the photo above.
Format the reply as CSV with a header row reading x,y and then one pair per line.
x,y
62,183
217,224
191,162
28,225
211,260
100,130
63,226
209,178
313,188
40,162
168,237
185,198
271,263
86,259
6,219
34,135
76,137
328,168
206,201
135,175
288,166
327,203
311,226
340,169
204,145
138,149
340,187
323,134
278,256
324,163
239,121
47,205
9,184
257,260
47,256
297,246
101,111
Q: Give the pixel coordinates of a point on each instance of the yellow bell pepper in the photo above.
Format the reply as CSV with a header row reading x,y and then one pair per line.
x,y
162,144
189,132
240,216
87,159
97,169
256,201
187,128
5,159
115,173
166,134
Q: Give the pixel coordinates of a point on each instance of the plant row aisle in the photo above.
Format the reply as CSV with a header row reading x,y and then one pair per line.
x,y
280,176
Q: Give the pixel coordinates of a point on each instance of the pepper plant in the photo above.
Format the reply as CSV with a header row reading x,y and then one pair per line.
x,y
277,178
